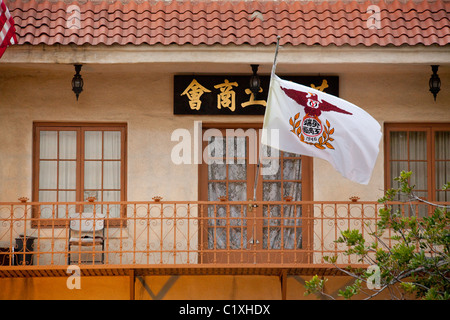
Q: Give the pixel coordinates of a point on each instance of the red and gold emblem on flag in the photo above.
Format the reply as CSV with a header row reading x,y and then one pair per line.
x,y
310,129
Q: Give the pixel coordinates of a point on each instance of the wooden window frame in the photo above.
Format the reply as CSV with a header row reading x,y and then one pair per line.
x,y
80,127
430,129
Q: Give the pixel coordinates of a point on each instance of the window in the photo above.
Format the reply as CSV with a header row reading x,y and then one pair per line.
x,y
228,172
423,149
75,161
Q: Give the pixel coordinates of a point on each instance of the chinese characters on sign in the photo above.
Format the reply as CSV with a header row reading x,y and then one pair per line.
x,y
227,97
194,91
231,95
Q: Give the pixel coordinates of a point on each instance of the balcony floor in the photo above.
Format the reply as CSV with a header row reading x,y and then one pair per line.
x,y
148,270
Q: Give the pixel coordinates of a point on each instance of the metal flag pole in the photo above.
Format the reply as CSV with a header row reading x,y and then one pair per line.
x,y
274,66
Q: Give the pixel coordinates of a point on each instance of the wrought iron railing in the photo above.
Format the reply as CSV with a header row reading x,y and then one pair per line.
x,y
184,232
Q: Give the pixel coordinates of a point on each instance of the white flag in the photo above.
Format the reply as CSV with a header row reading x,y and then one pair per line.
x,y
313,123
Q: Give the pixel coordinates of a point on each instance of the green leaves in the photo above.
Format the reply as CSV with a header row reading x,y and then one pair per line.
x,y
417,260
351,290
315,285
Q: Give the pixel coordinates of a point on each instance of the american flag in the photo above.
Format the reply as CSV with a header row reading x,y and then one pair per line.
x,y
7,30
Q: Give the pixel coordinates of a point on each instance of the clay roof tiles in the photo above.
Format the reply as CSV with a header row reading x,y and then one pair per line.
x,y
231,22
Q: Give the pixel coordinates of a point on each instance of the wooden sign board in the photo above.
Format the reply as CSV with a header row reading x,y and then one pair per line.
x,y
231,95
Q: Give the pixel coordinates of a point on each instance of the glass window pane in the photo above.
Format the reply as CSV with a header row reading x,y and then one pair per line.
x,y
419,175
216,190
418,145
238,238
399,145
66,196
271,163
48,145
217,171
271,169
216,147
272,191
111,175
90,207
47,211
396,168
67,144
237,191
92,174
443,196
47,174
47,196
93,145
92,193
442,140
272,238
112,141
114,209
65,210
292,169
237,171
67,175
292,189
236,148
442,173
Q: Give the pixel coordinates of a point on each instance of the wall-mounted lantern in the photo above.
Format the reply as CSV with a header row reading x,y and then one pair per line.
x,y
77,81
435,82
255,82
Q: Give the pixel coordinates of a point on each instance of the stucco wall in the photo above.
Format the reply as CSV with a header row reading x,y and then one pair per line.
x,y
142,97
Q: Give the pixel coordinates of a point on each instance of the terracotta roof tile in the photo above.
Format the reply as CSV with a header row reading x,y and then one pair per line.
x,y
230,22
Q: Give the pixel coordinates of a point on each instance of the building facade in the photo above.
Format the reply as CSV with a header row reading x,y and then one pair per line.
x,y
166,111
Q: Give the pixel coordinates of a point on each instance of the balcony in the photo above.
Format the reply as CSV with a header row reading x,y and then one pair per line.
x,y
183,237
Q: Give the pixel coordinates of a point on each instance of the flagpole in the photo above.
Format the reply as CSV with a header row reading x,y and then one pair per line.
x,y
274,66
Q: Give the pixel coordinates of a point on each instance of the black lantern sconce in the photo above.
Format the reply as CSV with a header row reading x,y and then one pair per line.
x,y
255,82
435,82
77,81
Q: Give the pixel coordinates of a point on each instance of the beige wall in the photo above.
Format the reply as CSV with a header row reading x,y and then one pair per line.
x,y
141,96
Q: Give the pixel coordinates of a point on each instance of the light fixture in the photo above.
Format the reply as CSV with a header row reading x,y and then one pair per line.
x,y
255,82
435,82
77,81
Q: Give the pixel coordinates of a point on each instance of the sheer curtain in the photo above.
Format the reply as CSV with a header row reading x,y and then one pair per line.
x,y
102,163
442,156
57,169
409,153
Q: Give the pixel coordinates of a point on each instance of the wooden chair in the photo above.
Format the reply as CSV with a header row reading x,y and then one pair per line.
x,y
86,231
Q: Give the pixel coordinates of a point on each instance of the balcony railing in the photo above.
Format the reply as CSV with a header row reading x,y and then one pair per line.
x,y
184,233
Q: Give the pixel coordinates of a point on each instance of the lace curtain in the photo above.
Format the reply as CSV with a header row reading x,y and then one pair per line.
x,y
228,170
